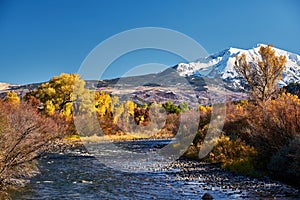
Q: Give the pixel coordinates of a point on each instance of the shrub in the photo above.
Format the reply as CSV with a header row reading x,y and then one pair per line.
x,y
24,136
236,122
241,166
234,155
171,126
257,136
274,125
204,119
286,162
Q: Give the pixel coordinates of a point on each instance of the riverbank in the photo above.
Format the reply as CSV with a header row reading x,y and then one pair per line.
x,y
116,138
210,177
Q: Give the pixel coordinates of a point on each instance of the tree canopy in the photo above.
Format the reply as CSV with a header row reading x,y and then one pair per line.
x,y
261,75
61,92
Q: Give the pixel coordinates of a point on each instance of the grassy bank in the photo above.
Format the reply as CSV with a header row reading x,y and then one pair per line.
x,y
105,138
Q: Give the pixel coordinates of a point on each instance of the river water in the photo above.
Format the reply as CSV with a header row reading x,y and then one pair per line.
x,y
80,175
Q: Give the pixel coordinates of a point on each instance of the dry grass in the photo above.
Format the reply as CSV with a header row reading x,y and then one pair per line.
x,y
96,138
127,137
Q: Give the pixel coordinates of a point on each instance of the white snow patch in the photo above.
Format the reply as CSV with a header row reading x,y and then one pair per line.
x,y
221,64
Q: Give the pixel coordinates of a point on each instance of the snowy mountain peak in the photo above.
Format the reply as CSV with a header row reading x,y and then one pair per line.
x,y
6,86
221,65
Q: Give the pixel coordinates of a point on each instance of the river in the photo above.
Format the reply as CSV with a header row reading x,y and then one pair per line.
x,y
77,174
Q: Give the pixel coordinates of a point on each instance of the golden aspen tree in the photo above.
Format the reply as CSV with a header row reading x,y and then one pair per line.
x,y
261,75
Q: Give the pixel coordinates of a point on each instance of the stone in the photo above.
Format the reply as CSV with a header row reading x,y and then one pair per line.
x,y
207,196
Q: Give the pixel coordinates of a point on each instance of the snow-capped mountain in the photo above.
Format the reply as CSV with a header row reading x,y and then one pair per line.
x,y
6,86
221,65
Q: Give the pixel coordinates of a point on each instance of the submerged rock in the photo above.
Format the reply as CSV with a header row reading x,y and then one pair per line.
x,y
207,196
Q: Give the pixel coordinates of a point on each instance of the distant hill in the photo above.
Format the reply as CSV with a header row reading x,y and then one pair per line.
x,y
196,82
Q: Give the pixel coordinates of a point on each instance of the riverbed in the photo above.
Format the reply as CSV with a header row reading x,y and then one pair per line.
x,y
79,174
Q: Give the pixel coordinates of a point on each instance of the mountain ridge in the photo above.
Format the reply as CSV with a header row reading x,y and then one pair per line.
x,y
196,82
221,65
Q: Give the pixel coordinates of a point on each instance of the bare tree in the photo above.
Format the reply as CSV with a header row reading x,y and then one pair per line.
x,y
24,136
263,74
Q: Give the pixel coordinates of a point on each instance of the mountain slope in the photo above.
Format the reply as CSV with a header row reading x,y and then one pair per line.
x,y
6,86
221,65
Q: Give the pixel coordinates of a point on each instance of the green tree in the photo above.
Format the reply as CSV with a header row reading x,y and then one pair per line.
x,y
171,108
262,75
184,106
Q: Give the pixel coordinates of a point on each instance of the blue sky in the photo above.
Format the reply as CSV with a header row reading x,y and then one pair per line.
x,y
43,38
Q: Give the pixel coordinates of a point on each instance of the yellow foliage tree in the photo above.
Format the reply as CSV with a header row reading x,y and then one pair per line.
x,y
49,107
103,103
12,98
115,102
122,113
59,94
204,109
118,111
85,101
129,107
262,75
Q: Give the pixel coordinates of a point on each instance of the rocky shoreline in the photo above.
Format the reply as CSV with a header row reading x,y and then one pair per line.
x,y
211,179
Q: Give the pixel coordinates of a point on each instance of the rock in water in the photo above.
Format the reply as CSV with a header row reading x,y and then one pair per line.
x,y
207,196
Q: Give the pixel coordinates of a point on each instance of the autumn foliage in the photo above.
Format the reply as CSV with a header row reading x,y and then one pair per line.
x,y
24,136
261,75
275,126
257,134
256,139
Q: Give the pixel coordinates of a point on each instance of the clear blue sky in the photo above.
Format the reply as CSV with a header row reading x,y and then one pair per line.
x,y
43,38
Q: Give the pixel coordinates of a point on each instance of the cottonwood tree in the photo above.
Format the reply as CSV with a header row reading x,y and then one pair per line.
x,y
263,74
61,92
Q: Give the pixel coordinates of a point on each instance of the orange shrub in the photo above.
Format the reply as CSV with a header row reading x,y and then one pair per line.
x,y
274,125
24,135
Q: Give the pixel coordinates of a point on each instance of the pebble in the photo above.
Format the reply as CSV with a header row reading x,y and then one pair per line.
x,y
210,177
